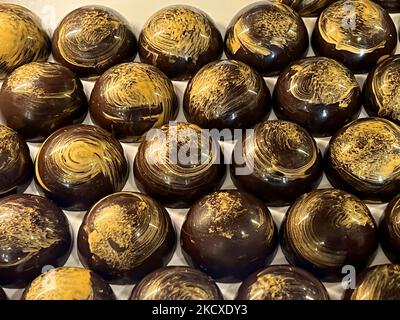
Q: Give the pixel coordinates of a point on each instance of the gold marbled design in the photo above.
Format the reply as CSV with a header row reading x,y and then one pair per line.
x,y
322,81
138,85
78,157
9,148
379,283
91,36
177,31
66,283
394,226
280,148
125,234
22,38
177,283
356,26
256,31
341,211
306,7
385,86
223,89
368,151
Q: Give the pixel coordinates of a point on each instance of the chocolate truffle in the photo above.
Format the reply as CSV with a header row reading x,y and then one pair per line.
x,y
3,295
178,164
34,233
389,230
267,36
125,236
380,282
390,5
381,90
319,94
180,40
278,162
40,98
363,158
68,283
355,32
16,168
176,283
327,229
91,39
78,165
22,38
229,235
282,282
226,94
307,8
131,98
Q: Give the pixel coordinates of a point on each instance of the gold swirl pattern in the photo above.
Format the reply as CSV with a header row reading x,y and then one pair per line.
x,y
368,151
357,26
280,148
322,81
176,283
256,32
127,231
394,218
307,7
177,31
9,148
22,38
380,282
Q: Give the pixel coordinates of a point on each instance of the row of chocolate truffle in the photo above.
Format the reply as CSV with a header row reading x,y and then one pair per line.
x,y
179,40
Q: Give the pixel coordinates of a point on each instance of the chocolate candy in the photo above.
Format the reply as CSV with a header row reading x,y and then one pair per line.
x,y
131,98
125,236
319,94
389,230
229,235
226,94
176,283
278,162
78,165
380,282
327,229
364,158
22,38
68,283
178,164
381,93
282,282
390,5
355,32
34,233
16,168
40,98
91,39
3,295
307,8
179,40
267,36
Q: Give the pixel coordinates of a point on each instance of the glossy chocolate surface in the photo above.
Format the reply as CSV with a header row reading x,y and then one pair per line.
x,y
226,94
363,158
307,8
390,5
22,38
125,236
3,295
267,36
40,98
176,283
389,230
355,32
282,282
229,235
132,98
380,282
277,162
318,93
179,40
16,167
381,90
68,283
327,229
34,233
78,165
178,165
91,39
